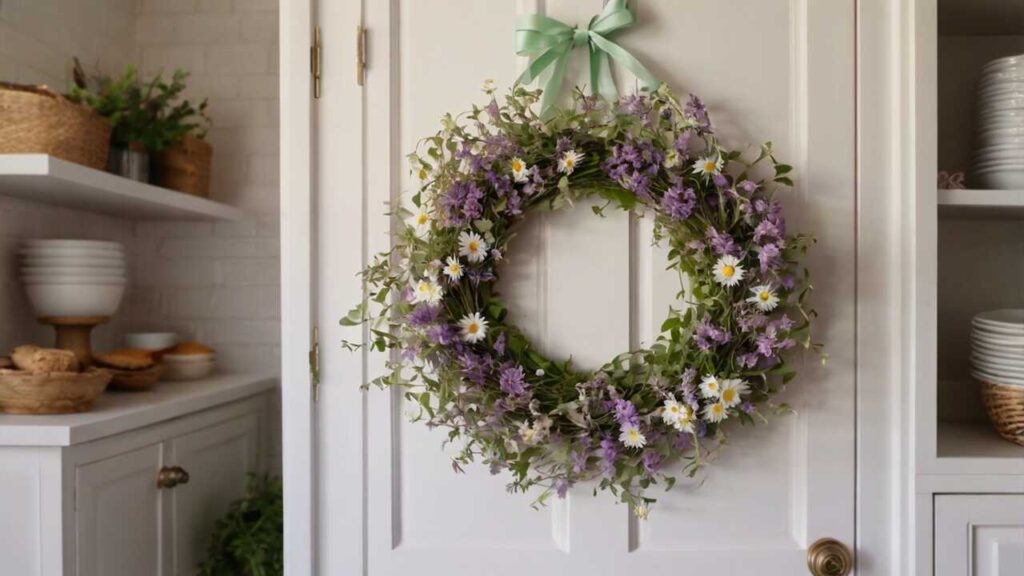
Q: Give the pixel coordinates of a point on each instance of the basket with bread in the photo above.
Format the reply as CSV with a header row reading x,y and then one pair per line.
x,y
35,380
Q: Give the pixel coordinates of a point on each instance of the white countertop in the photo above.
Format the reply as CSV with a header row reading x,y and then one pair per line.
x,y
118,411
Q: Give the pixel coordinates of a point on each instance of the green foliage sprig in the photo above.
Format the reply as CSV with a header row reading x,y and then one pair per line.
x,y
249,539
152,113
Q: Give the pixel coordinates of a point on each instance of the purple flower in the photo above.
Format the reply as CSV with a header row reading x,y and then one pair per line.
x,y
767,342
679,202
512,380
625,413
561,487
609,454
423,315
443,334
721,242
474,367
499,344
682,144
633,163
476,276
747,186
492,109
562,145
698,113
768,256
708,335
580,454
461,203
784,323
749,322
651,461
748,360
787,281
720,180
748,407
766,230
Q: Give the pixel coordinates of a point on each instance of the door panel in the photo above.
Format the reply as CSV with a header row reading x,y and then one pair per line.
x,y
117,516
217,460
979,535
786,73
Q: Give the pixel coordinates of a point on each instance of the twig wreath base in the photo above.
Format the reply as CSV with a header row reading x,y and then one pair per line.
x,y
649,415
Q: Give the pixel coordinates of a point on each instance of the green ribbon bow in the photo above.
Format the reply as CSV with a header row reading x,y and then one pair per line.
x,y
549,42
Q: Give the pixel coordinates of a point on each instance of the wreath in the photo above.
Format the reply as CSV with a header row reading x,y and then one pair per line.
x,y
647,415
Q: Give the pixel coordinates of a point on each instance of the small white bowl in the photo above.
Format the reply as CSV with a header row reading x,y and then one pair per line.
x,y
1005,179
75,299
71,271
91,262
89,280
67,243
187,370
150,340
70,253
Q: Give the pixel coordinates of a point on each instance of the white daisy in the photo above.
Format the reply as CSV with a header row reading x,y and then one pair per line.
x,y
453,269
671,411
716,412
632,437
764,298
519,170
420,222
708,165
728,271
427,290
474,327
685,421
567,163
472,246
710,386
733,390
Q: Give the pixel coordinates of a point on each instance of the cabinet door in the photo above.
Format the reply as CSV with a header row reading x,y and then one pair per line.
x,y
217,459
981,535
117,514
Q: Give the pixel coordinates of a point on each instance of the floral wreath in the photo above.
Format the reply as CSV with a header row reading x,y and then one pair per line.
x,y
649,414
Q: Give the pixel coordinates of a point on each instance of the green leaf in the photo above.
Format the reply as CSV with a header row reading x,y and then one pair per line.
x,y
355,316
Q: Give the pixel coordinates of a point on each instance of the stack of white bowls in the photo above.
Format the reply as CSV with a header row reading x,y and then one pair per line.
x,y
997,347
999,158
73,277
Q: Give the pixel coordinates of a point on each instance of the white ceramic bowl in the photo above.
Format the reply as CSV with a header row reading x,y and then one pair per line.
x,y
998,361
188,358
187,370
1001,350
89,262
1009,131
71,252
994,379
999,372
67,243
89,280
71,271
75,299
1016,142
1010,179
997,339
150,340
1003,316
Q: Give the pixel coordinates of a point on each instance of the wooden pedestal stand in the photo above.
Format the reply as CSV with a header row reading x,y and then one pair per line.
x,y
75,333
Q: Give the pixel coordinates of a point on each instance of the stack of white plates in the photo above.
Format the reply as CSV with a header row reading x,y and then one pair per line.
x,y
999,159
997,347
73,277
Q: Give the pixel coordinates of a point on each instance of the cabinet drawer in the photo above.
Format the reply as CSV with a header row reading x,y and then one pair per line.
x,y
979,535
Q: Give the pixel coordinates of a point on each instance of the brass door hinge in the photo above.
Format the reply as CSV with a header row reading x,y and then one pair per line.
x,y
360,55
314,365
316,62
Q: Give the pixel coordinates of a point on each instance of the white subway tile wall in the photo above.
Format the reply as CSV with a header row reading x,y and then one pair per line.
x,y
215,282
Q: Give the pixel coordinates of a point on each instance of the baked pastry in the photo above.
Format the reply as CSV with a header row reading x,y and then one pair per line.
x,y
190,348
126,359
41,360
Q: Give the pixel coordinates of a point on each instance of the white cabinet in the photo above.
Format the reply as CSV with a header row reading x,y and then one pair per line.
x,y
979,534
94,507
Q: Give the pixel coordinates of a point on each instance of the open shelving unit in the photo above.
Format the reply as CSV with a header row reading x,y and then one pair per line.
x,y
43,178
981,203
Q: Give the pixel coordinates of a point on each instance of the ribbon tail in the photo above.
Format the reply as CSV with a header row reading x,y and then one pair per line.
x,y
601,81
623,57
538,64
553,86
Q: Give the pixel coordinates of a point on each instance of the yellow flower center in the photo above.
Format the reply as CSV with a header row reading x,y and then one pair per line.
x,y
728,271
709,166
473,246
674,409
729,395
717,409
634,435
517,166
570,161
713,386
473,328
422,218
454,268
764,296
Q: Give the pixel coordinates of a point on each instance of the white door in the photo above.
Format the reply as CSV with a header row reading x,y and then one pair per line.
x,y
978,534
768,69
117,515
218,460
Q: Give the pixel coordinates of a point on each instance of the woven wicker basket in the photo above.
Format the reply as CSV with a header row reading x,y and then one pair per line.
x,y
36,120
185,167
1005,405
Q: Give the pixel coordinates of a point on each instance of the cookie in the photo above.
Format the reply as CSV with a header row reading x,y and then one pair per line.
x,y
41,360
188,348
126,359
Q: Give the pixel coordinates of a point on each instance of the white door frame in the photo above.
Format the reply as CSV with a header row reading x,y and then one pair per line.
x,y
885,526
298,439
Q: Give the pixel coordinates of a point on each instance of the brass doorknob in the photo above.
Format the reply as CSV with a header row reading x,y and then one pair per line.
x,y
169,477
829,557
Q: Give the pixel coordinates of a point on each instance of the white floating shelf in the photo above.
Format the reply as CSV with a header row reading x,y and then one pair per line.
x,y
975,448
43,178
986,203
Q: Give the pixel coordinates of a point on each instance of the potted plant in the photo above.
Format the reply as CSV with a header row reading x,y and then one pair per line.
x,y
146,117
249,539
184,164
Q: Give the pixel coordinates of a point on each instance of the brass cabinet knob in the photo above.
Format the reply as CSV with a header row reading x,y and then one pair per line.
x,y
171,476
829,557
